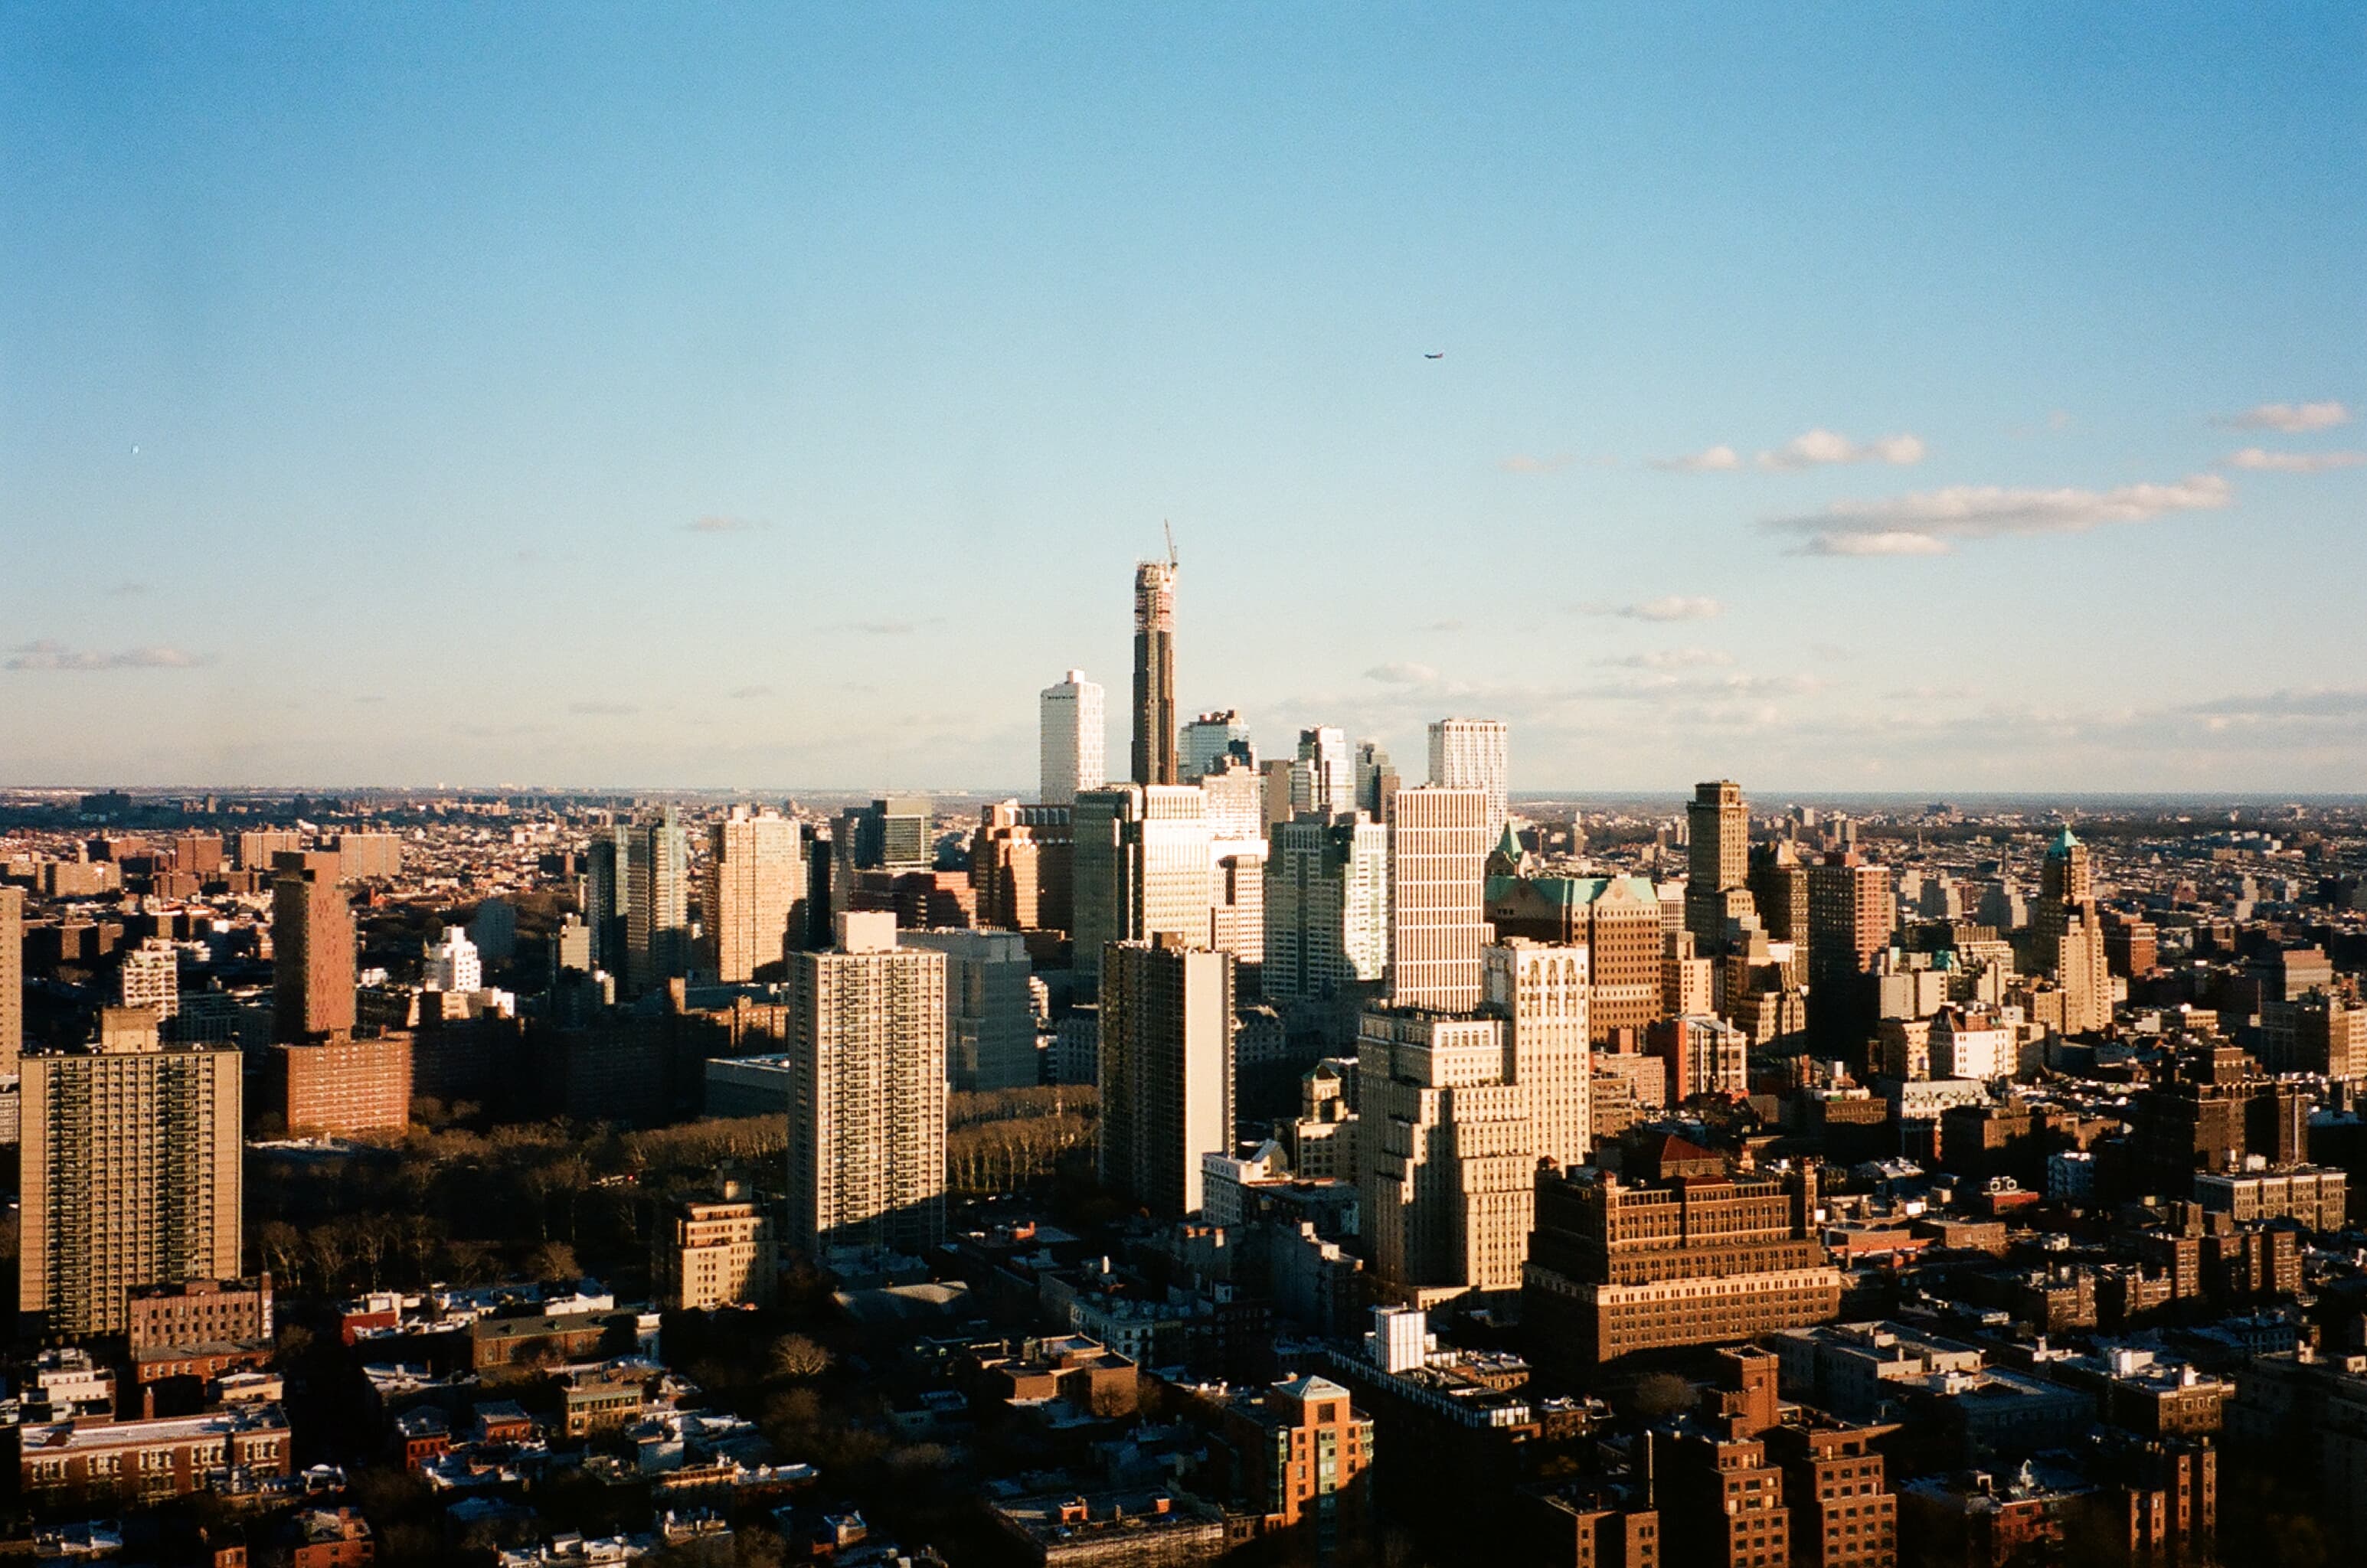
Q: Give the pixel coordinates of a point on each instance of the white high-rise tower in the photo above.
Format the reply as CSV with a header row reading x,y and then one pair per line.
x,y
1470,753
1074,742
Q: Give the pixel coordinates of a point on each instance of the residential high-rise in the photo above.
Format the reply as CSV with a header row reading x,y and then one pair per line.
x,y
989,1012
1327,902
130,1171
452,965
756,884
1166,1070
607,880
1213,736
1141,862
866,1049
1154,672
12,977
1541,992
1473,753
1717,861
342,1086
1850,914
312,947
1438,852
1074,742
657,902
151,977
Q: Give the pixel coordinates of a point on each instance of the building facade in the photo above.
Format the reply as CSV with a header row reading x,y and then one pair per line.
x,y
1327,900
1690,1255
312,947
1154,674
131,1174
657,903
1142,861
1073,742
1438,852
1166,1070
755,892
866,1049
989,1012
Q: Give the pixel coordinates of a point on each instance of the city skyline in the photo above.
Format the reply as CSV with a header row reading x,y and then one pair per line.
x,y
1840,407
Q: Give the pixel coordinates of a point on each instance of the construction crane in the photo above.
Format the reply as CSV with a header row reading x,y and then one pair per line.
x,y
1170,543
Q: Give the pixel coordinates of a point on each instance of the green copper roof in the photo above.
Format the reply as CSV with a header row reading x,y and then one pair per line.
x,y
1509,846
1568,890
2064,843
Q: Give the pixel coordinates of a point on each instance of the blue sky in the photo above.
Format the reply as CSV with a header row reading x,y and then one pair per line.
x,y
1964,398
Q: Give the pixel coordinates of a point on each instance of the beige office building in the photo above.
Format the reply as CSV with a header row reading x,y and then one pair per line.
x,y
866,1159
1718,860
2067,935
1446,1152
755,881
1438,855
1166,1070
719,1253
130,1172
1541,991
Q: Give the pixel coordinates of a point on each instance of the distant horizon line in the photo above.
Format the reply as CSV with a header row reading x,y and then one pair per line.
x,y
1679,792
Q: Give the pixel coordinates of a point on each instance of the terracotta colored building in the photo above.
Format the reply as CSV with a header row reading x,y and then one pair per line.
x,y
1299,1443
343,1086
1690,1255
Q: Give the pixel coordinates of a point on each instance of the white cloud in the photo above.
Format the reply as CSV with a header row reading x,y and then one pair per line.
x,y
1672,659
1522,463
1894,543
1715,460
716,524
744,693
1921,523
1667,607
48,655
2294,462
1400,673
2290,418
603,709
1817,447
